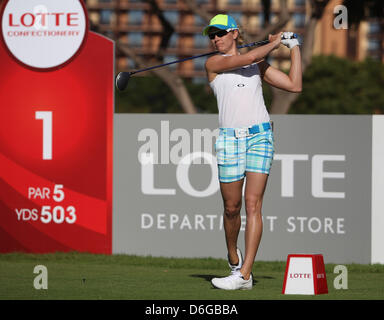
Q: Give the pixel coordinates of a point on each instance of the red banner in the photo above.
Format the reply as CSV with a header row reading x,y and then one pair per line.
x,y
56,152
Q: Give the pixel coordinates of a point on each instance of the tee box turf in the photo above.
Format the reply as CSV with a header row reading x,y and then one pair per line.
x,y
305,274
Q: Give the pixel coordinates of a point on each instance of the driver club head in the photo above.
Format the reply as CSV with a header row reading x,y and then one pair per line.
x,y
122,80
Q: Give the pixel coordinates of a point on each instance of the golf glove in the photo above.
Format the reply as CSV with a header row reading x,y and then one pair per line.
x,y
287,39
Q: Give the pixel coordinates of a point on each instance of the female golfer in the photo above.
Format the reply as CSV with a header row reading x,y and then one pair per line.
x,y
244,147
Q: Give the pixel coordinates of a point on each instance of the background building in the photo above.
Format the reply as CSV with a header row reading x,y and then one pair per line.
x,y
356,43
134,23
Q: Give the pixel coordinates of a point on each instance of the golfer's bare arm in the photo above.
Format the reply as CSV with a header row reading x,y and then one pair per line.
x,y
291,82
219,63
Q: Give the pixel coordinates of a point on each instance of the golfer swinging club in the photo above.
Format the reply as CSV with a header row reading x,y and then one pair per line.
x,y
244,147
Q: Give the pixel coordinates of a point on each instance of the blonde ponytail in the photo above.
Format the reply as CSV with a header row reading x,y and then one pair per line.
x,y
240,38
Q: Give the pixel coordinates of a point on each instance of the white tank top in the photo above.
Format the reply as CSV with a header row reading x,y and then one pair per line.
x,y
239,97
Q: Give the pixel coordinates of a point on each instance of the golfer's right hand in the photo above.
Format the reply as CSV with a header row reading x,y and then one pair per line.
x,y
276,39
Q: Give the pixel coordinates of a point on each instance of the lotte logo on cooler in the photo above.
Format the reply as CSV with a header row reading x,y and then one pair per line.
x,y
52,30
305,274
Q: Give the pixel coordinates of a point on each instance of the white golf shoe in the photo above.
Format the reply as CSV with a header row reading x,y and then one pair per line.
x,y
235,281
236,267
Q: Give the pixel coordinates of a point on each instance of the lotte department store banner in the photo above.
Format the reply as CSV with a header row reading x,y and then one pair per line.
x,y
319,197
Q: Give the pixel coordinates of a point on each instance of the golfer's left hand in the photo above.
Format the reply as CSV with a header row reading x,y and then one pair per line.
x,y
288,40
276,39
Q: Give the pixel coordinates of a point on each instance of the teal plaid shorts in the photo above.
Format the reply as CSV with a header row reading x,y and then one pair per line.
x,y
235,156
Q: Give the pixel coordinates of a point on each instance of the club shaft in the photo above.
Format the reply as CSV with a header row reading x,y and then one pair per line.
x,y
257,43
172,62
253,44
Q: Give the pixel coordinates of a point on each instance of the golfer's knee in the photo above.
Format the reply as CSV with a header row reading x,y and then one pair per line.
x,y
232,209
253,204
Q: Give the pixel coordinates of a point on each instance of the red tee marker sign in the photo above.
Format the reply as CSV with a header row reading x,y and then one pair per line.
x,y
305,274
56,118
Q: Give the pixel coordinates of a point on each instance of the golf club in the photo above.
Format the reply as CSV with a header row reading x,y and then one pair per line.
x,y
123,77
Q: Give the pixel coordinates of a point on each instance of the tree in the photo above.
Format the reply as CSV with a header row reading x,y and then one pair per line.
x,y
171,79
334,85
282,100
151,95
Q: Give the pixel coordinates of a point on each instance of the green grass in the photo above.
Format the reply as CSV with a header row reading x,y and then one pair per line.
x,y
88,276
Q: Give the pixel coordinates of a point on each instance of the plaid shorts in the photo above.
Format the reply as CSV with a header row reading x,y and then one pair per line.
x,y
235,156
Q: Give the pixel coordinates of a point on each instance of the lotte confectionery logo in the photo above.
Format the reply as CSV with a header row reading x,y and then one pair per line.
x,y
52,30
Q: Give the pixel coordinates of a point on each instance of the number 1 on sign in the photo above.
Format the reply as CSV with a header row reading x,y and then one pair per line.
x,y
46,116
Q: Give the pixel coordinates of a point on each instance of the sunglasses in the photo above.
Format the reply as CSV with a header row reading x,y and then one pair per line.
x,y
220,34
